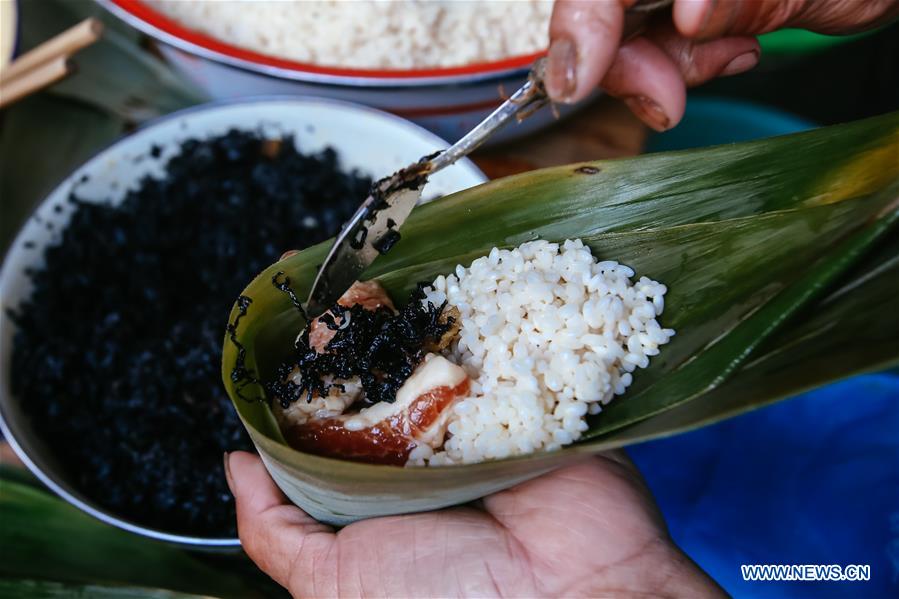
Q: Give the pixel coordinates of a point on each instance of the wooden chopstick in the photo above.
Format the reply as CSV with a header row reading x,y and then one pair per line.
x,y
63,45
33,80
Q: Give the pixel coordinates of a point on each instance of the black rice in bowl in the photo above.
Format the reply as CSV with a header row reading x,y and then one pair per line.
x,y
116,357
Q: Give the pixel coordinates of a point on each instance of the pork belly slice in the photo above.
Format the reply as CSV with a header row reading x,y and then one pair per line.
x,y
386,433
368,294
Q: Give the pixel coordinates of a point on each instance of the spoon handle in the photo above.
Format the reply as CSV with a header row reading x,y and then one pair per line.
x,y
532,95
520,105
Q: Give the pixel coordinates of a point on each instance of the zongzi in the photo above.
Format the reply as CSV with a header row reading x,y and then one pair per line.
x,y
503,358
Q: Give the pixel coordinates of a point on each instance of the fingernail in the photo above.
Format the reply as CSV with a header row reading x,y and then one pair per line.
x,y
288,254
561,65
649,112
741,63
230,482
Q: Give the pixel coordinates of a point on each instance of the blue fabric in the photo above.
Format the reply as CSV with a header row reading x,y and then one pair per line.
x,y
811,480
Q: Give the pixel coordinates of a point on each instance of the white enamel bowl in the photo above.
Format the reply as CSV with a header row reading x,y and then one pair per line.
x,y
369,140
447,101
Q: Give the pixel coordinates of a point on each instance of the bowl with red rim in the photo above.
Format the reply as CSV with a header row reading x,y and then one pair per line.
x,y
447,100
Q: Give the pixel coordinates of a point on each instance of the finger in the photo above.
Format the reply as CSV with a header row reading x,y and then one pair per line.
x,y
699,62
707,19
649,82
279,537
584,38
841,18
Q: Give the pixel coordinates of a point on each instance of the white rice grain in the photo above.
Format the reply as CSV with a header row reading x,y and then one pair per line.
x,y
373,34
548,336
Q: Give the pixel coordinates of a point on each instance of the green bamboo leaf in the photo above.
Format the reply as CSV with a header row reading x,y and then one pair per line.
x,y
114,74
708,369
43,538
15,588
744,236
851,331
17,474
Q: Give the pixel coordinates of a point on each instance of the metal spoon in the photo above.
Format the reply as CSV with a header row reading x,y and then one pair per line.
x,y
374,228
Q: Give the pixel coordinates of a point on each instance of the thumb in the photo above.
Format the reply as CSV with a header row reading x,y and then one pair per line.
x,y
283,540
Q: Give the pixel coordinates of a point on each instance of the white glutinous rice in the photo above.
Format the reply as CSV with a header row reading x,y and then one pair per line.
x,y
549,335
372,34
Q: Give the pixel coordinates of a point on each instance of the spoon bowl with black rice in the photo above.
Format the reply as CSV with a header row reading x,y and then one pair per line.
x,y
117,291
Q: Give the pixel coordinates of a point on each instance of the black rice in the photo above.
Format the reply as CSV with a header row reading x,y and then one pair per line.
x,y
117,354
379,347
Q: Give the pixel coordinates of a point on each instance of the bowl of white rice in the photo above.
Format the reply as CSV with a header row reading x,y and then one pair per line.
x,y
442,64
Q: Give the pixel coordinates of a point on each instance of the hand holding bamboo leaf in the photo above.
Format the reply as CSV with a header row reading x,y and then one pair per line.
x,y
552,536
762,232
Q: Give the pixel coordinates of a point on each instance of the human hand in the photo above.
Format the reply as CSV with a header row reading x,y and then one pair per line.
x,y
591,529
704,39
